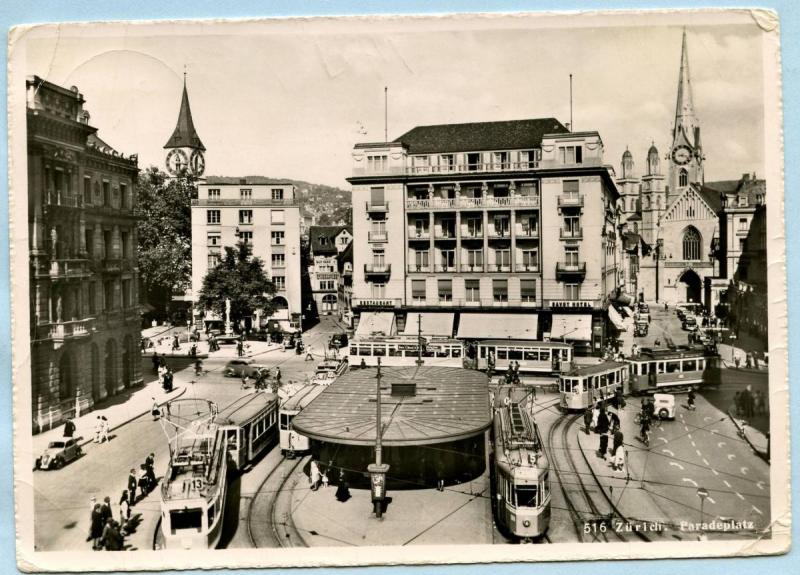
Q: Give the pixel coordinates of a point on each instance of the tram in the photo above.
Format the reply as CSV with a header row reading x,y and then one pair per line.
x,y
329,370
520,470
654,371
543,357
584,386
405,350
292,442
250,425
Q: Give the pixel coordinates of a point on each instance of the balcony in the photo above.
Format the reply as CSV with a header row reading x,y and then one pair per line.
x,y
471,268
464,202
449,234
570,271
442,268
531,268
495,234
112,265
257,202
377,208
69,268
466,234
573,234
62,199
570,201
526,232
418,268
327,276
376,303
415,234
498,267
377,269
377,237
472,167
74,329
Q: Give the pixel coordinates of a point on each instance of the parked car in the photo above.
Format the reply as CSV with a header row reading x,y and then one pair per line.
x,y
665,405
238,367
338,341
60,452
690,323
644,308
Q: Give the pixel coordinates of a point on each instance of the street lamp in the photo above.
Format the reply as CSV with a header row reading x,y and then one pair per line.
x,y
702,493
378,470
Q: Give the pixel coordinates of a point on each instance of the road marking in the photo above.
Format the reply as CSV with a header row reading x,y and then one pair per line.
x,y
705,461
676,464
728,485
731,457
744,470
697,451
660,428
706,418
757,510
740,496
714,431
720,444
663,439
668,451
687,480
715,472
760,485
689,436
694,444
685,428
710,500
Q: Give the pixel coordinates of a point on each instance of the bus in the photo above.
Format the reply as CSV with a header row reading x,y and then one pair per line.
x,y
656,370
405,350
585,386
542,357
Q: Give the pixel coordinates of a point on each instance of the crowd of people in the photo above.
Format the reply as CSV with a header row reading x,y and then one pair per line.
x,y
748,403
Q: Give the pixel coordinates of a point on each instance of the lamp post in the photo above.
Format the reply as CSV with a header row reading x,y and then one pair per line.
x,y
702,493
378,470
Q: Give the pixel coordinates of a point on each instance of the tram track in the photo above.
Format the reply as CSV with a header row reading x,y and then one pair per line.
x,y
274,531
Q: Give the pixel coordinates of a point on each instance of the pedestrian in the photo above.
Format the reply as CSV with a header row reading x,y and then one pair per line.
x,y
325,479
755,361
587,420
240,348
602,430
144,482
155,411
736,360
98,429
749,361
105,509
618,439
363,364
244,380
614,421
104,429
278,376
69,427
314,475
690,398
155,361
169,378
132,487
595,415
309,355
95,526
342,490
175,344
111,537
149,465
124,508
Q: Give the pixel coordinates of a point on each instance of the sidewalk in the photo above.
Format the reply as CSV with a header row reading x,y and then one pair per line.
x,y
757,441
227,351
118,412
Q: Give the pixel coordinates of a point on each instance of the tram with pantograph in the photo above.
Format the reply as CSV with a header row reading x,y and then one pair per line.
x,y
293,443
584,386
539,357
520,469
250,424
405,351
670,370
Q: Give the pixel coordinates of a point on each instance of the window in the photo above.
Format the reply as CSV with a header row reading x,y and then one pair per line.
x,y
527,159
108,295
683,178
501,226
245,216
474,227
571,255
421,163
570,154
527,289
378,290
213,193
572,291
473,162
106,193
246,237
448,259
475,259
742,225
473,289
448,228
88,235
570,188
500,290
126,294
124,238
421,261
502,258
212,216
445,290
278,260
378,228
277,238
418,290
421,228
326,285
447,162
530,226
214,239
378,258
277,216
126,200
377,163
246,194
691,244
500,160
572,226
87,190
277,193
530,259
213,260
376,197
92,298
742,201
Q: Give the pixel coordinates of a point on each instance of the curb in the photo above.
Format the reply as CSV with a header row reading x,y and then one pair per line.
x,y
762,454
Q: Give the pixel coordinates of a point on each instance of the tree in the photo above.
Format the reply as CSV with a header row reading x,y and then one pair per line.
x,y
240,278
164,235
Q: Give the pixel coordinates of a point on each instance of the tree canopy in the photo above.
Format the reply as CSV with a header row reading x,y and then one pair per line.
x,y
239,277
165,238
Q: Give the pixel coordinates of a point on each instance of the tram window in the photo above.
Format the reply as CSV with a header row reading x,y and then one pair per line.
x,y
502,353
455,351
285,420
442,351
660,366
531,355
185,519
482,352
233,435
353,350
210,516
527,496
364,350
379,350
544,355
510,499
394,352
673,366
544,485
603,380
689,365
514,354
701,364
642,369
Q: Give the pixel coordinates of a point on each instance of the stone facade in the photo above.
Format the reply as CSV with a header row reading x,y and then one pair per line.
x,y
84,308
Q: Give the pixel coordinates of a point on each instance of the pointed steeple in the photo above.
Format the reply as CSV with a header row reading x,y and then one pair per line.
x,y
686,123
185,136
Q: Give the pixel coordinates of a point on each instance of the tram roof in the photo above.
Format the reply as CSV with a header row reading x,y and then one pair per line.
x,y
604,367
302,397
246,408
449,404
524,343
661,354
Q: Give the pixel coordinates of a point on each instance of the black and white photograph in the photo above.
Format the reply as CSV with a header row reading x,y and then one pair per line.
x,y
398,290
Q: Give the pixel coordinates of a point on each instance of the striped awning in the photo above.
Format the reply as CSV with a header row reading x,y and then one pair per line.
x,y
571,327
498,326
376,323
432,324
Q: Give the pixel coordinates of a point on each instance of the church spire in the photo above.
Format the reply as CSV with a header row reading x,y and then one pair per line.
x,y
686,123
185,135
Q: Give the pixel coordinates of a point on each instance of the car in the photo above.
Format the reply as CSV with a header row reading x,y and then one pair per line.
x,y
338,341
644,308
664,405
690,323
60,452
246,367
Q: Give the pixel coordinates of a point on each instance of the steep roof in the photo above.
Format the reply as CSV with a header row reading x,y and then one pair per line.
x,y
345,256
505,135
748,184
185,136
711,197
329,233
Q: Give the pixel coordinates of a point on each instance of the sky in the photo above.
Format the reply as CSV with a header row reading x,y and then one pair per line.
x,y
289,99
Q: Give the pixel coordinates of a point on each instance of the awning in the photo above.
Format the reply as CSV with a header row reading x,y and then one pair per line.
x,y
374,323
440,324
628,311
623,299
615,318
498,326
571,327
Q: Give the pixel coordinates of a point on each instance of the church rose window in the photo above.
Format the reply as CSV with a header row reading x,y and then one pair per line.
x,y
691,245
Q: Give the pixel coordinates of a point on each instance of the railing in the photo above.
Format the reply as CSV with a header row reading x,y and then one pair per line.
x,y
71,267
486,302
570,201
574,234
377,208
70,329
495,234
112,264
382,269
527,267
415,268
482,202
376,303
245,202
444,268
58,198
472,167
526,232
377,236
471,267
413,234
467,235
327,276
564,268
444,235
499,267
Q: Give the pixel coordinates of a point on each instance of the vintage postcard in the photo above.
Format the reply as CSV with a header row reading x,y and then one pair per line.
x,y
398,290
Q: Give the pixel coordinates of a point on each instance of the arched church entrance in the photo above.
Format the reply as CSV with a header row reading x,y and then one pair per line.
x,y
694,287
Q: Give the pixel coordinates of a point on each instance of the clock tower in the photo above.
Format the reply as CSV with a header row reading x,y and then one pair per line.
x,y
686,153
184,148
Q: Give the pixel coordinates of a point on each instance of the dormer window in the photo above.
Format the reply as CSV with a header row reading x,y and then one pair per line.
x,y
447,162
570,154
742,201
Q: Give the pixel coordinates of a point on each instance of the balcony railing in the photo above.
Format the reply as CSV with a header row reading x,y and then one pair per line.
x,y
419,268
377,208
376,303
112,265
327,276
574,234
377,236
444,268
526,232
471,267
59,198
70,329
206,202
414,234
69,268
464,202
471,235
445,235
499,267
527,267
472,167
486,302
570,201
378,269
564,269
495,234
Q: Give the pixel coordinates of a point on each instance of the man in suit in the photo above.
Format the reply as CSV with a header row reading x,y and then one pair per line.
x,y
132,486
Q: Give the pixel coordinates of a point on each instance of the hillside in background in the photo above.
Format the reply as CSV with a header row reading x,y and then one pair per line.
x,y
326,204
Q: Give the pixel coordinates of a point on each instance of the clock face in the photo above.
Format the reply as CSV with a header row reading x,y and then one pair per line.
x,y
681,155
197,163
177,161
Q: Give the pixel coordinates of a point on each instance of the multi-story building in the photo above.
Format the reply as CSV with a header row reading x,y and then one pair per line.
x,y
478,222
85,324
258,211
326,243
345,266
